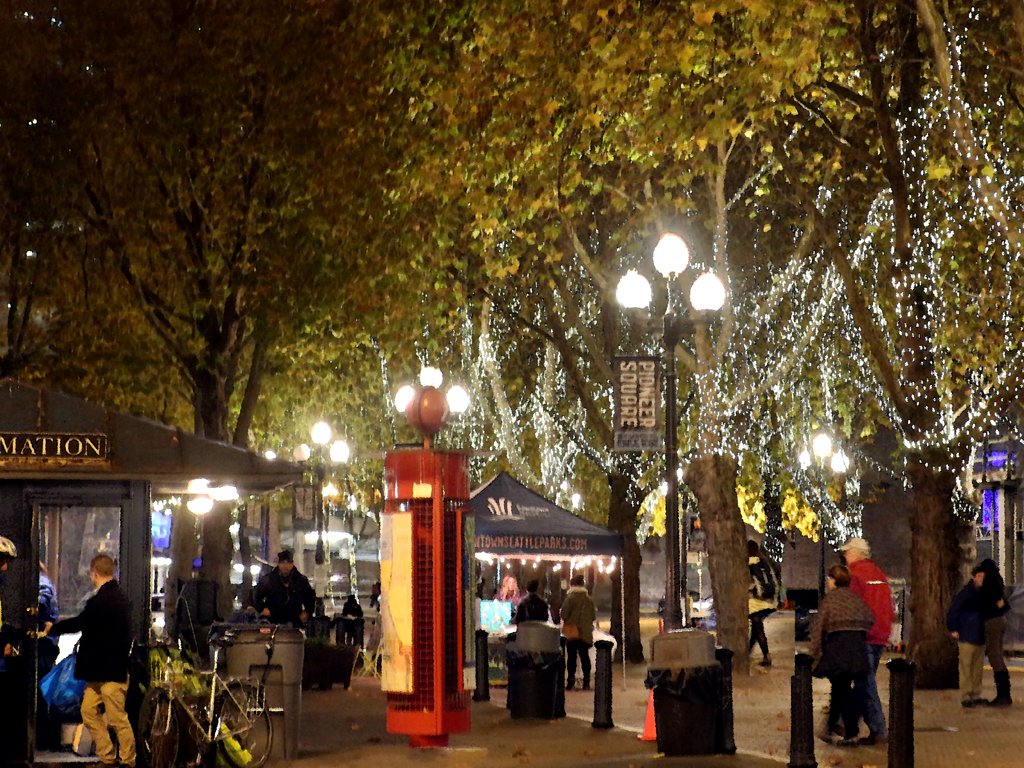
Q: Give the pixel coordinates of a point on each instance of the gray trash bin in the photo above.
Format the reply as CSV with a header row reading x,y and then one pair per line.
x,y
536,672
687,681
247,657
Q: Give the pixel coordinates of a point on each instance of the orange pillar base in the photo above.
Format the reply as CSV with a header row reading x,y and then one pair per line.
x,y
423,741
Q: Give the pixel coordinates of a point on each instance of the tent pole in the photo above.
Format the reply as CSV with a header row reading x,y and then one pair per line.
x,y
622,625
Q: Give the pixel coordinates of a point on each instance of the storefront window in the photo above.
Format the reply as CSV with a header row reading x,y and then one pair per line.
x,y
72,537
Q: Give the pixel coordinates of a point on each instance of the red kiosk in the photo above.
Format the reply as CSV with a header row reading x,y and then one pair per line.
x,y
427,535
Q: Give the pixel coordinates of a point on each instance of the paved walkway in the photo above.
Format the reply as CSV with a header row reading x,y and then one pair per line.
x,y
342,727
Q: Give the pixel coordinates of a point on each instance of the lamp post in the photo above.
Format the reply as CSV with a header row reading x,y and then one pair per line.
x,y
707,294
338,453
839,463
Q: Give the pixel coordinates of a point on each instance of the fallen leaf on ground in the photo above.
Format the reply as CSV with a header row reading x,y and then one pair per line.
x,y
591,753
357,727
520,752
782,727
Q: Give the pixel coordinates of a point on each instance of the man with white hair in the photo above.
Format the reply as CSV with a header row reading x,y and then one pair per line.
x,y
868,581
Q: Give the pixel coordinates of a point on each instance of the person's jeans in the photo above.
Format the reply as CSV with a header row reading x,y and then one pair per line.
x,y
581,649
865,690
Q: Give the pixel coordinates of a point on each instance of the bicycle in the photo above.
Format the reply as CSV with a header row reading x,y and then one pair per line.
x,y
231,715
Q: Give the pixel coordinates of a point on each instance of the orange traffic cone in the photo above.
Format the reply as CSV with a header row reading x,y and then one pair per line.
x,y
650,729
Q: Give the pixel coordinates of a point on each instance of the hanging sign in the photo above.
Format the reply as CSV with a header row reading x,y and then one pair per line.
x,y
53,446
636,395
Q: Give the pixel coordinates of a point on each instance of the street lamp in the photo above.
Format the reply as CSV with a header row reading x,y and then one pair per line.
x,y
839,463
338,453
707,294
425,407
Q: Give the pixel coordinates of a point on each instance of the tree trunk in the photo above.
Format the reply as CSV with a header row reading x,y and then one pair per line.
x,y
218,549
713,481
934,573
183,554
622,519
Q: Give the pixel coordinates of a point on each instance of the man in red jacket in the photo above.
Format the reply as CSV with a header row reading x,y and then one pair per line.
x,y
868,581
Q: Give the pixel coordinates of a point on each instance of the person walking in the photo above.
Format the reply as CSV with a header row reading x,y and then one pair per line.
x,y
762,600
839,646
102,662
994,607
963,620
285,595
578,614
532,607
871,585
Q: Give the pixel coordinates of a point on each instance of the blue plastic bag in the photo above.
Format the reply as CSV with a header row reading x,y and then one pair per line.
x,y
61,689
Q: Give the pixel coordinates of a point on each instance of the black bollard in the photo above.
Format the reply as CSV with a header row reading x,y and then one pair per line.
x,y
603,685
901,713
725,743
801,708
483,682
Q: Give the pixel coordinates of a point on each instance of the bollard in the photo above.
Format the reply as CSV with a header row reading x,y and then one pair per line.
x,y
483,683
901,713
603,685
801,706
725,743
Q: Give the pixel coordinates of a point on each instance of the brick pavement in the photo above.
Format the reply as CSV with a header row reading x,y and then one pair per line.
x,y
345,727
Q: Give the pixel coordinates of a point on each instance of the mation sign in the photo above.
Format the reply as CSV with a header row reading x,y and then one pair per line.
x,y
637,404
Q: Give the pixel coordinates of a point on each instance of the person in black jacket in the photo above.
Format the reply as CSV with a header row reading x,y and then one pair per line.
x,y
102,661
532,607
994,607
284,595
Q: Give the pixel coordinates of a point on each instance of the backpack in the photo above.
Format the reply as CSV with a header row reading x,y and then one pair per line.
x,y
764,581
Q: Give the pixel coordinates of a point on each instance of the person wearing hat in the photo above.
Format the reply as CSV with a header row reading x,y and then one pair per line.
x,y
285,595
868,582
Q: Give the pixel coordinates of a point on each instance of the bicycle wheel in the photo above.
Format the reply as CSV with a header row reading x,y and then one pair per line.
x,y
239,705
158,729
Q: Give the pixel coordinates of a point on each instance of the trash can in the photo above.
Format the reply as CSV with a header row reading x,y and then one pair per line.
x,y
686,680
247,656
536,671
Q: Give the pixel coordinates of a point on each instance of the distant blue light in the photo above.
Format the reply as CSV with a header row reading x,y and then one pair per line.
x,y
989,516
997,459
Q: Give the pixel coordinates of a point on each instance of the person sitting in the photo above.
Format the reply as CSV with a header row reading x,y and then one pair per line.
x,y
352,621
532,607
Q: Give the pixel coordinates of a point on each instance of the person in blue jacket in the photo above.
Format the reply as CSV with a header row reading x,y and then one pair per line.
x,y
963,619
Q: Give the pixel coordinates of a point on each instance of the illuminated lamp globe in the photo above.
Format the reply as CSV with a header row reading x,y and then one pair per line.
x,y
301,453
321,433
431,377
671,256
340,452
804,459
707,294
633,291
270,455
822,445
200,505
403,397
840,462
458,399
428,410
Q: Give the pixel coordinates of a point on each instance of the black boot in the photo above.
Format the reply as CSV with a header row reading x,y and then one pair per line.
x,y
1002,698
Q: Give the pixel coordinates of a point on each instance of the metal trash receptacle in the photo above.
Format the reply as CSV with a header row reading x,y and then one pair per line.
x,y
686,704
247,657
536,672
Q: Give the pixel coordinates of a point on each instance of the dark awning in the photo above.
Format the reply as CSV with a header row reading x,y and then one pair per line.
x,y
51,435
513,520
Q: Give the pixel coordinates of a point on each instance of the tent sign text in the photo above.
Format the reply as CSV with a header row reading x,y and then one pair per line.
x,y
50,446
